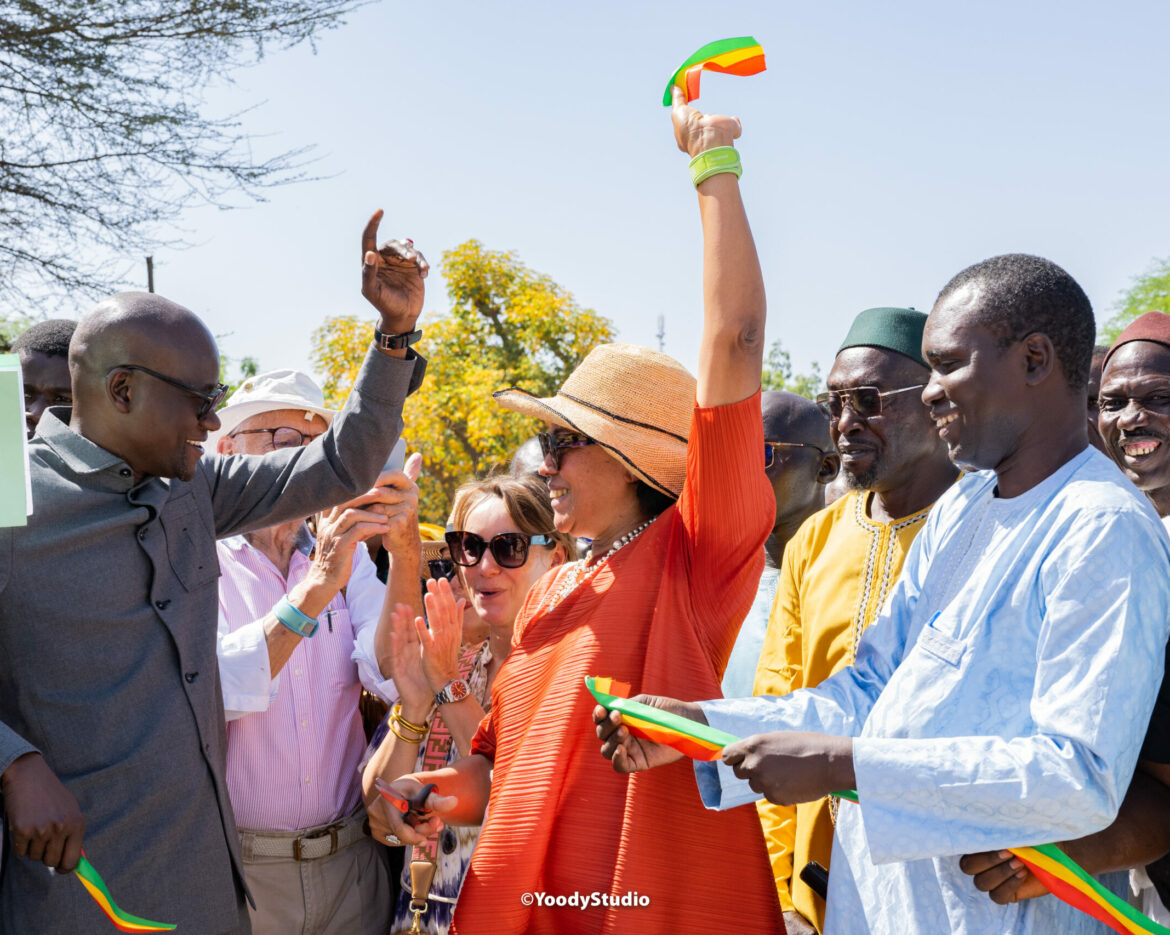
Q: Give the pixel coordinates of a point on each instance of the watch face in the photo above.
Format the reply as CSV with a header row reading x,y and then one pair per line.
x,y
455,690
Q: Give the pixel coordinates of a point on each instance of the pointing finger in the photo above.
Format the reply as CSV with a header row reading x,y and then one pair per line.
x,y
370,236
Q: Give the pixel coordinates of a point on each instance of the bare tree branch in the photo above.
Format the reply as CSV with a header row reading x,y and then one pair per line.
x,y
103,135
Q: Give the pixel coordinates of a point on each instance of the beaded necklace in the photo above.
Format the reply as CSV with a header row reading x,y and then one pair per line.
x,y
581,572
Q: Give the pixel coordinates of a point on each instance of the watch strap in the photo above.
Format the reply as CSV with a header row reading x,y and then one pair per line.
x,y
396,342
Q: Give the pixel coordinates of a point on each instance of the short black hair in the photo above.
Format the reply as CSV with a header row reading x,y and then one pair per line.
x,y
50,338
1022,294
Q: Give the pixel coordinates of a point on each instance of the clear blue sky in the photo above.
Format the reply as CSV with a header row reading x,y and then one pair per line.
x,y
887,146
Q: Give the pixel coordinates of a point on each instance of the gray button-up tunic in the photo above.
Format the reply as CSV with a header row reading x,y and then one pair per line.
x,y
107,653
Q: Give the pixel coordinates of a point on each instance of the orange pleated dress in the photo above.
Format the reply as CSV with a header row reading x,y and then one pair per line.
x,y
661,614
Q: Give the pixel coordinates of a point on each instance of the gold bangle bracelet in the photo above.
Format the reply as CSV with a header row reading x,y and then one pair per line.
x,y
397,713
407,726
404,739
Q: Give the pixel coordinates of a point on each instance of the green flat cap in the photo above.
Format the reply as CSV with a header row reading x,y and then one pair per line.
x,y
895,329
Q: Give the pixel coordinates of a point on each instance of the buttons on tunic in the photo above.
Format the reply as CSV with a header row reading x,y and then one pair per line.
x,y
125,472
141,534
162,605
190,676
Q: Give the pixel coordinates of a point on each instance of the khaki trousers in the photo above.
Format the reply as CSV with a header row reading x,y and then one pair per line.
x,y
347,893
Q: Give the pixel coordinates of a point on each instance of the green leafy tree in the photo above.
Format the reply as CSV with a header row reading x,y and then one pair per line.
x,y
102,137
778,374
507,325
1149,292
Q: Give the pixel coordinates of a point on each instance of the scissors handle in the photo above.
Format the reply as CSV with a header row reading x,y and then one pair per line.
x,y
414,809
418,811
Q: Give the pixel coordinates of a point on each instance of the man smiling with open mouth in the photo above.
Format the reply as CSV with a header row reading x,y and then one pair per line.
x,y
1135,406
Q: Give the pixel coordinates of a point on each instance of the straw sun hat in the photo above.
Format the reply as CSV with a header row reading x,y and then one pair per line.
x,y
432,541
634,402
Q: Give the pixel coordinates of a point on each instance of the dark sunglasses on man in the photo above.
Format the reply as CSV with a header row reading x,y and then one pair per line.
x,y
552,443
865,401
509,549
211,399
770,450
440,568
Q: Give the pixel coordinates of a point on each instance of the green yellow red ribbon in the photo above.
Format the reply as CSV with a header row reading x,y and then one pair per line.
x,y
1065,879
742,56
123,921
698,741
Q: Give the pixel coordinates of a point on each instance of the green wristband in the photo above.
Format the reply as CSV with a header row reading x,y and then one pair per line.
x,y
715,162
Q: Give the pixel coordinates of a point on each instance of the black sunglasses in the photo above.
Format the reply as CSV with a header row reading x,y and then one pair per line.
x,y
865,401
210,400
770,450
551,443
281,437
509,549
441,568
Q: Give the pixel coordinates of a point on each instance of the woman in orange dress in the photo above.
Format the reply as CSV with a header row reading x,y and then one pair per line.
x,y
665,475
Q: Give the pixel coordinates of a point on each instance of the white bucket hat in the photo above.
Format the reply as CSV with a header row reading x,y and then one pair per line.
x,y
268,392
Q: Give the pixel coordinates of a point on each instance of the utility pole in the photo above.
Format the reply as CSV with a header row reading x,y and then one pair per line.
x,y
661,334
150,274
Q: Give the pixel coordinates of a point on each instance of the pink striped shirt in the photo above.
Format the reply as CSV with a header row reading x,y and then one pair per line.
x,y
294,742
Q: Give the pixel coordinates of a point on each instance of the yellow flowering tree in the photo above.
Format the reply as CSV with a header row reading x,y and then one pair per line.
x,y
339,347
507,325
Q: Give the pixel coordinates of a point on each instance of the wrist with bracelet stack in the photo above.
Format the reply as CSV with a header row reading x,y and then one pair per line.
x,y
415,733
716,161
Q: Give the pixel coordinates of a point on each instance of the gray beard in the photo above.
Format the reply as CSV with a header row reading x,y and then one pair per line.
x,y
864,480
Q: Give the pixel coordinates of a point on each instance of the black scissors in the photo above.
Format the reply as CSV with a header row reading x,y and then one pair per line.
x,y
414,810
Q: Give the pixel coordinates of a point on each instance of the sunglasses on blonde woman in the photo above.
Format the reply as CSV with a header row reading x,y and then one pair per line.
x,y
509,549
